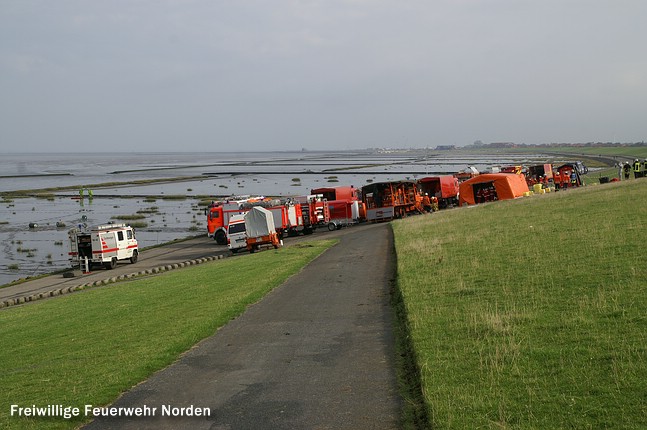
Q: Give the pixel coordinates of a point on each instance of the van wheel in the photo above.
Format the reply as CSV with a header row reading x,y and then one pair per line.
x,y
112,264
134,258
332,226
220,237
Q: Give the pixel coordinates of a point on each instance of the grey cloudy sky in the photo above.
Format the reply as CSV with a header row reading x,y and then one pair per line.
x,y
198,75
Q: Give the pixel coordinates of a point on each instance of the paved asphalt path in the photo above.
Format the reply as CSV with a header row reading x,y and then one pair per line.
x,y
315,353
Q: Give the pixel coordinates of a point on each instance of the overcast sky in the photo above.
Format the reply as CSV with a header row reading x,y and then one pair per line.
x,y
230,75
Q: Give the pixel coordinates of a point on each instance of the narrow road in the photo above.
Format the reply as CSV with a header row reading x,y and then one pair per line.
x,y
315,353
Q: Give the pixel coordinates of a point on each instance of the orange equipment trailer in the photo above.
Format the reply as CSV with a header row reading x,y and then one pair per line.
x,y
388,200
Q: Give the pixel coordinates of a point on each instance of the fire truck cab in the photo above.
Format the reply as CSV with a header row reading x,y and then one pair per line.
x,y
103,245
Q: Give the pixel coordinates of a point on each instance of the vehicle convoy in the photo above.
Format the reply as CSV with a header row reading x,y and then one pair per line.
x,y
102,245
292,216
252,230
388,200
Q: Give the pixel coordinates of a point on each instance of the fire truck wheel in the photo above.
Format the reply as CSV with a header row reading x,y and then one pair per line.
x,y
220,237
332,226
112,264
134,258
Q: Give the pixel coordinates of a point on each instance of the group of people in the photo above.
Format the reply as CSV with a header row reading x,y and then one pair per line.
x,y
639,168
429,204
87,190
564,179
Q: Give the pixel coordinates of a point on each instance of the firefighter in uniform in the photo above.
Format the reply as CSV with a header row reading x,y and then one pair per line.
x,y
565,179
637,173
627,170
434,204
573,179
426,203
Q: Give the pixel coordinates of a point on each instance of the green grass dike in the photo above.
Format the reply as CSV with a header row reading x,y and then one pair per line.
x,y
87,348
531,313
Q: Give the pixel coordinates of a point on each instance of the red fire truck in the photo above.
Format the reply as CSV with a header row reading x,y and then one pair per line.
x,y
315,211
344,204
219,213
288,215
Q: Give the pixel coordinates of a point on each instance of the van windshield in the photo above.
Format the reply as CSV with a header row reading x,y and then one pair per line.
x,y
237,228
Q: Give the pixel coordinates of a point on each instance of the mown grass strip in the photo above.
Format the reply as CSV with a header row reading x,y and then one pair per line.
x,y
89,347
530,313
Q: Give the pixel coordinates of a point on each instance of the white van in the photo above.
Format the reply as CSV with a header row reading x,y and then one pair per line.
x,y
103,245
237,233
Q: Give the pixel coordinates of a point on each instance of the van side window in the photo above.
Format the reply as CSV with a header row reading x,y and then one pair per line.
x,y
120,235
129,234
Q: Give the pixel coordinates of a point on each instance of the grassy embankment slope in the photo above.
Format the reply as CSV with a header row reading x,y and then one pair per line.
x,y
531,313
87,348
